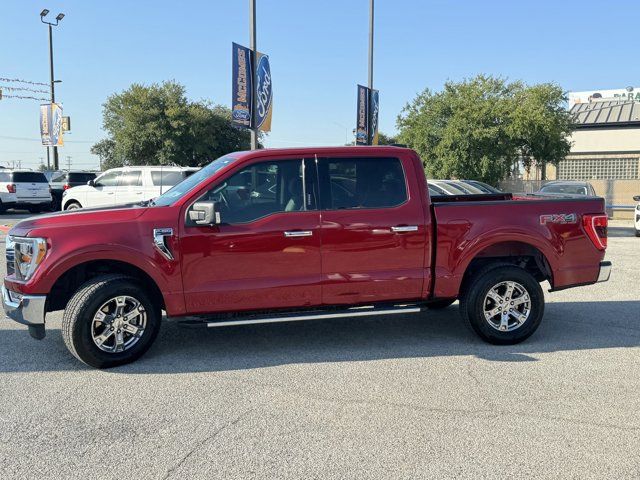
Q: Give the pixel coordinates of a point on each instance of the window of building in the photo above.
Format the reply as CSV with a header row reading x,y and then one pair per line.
x,y
620,168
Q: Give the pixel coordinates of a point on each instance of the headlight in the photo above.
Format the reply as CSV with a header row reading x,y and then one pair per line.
x,y
28,254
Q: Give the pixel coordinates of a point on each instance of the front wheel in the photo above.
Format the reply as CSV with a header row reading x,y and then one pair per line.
x,y
110,321
637,233
503,304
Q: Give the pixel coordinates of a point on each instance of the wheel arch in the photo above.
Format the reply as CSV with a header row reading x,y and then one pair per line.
x,y
73,277
523,254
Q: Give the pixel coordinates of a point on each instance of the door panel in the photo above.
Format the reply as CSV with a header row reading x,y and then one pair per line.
x,y
266,253
103,193
130,188
373,232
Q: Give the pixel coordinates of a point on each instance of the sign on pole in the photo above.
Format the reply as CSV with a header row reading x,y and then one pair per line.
x,y
374,107
362,121
51,125
242,92
66,124
242,86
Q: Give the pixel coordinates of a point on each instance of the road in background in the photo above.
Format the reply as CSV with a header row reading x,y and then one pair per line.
x,y
406,397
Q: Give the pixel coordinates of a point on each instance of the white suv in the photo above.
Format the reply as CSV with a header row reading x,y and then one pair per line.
x,y
24,189
120,186
636,216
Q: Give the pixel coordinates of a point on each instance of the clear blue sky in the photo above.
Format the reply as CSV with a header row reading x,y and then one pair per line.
x,y
318,52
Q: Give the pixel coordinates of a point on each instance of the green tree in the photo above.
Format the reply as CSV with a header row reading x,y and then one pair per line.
x,y
477,128
541,125
158,125
384,139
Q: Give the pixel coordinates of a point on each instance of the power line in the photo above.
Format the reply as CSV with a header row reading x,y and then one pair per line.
x,y
6,137
25,97
18,80
22,89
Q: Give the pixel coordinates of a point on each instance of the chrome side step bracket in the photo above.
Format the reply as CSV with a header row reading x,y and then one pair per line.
x,y
299,317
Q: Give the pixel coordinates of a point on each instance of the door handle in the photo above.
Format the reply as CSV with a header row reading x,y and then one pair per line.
x,y
404,228
298,233
110,193
138,193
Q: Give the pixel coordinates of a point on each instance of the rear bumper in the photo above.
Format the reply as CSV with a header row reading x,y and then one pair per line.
x,y
605,272
25,309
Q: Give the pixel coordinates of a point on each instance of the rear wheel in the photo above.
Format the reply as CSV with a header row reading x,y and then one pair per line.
x,y
637,232
503,304
72,206
37,209
110,321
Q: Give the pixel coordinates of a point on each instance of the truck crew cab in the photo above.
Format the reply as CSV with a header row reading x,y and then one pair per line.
x,y
298,234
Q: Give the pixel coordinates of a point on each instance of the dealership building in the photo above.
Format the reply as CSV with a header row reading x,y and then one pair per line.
x,y
605,147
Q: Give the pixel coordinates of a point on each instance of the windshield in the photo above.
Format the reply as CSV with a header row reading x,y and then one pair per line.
x,y
177,192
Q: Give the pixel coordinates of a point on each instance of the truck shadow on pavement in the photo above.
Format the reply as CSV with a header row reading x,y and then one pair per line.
x,y
615,232
567,326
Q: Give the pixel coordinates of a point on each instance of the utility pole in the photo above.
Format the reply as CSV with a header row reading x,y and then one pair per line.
x,y
370,83
59,17
254,74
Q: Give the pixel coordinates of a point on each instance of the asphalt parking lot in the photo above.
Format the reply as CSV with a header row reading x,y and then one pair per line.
x,y
407,397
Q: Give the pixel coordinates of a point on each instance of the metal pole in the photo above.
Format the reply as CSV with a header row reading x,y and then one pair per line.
x,y
254,76
53,92
370,83
48,161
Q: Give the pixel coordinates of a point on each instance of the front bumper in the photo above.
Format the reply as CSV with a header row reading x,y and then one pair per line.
x,y
605,271
26,309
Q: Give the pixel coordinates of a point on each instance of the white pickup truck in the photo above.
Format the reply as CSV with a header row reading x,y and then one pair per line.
x,y
120,186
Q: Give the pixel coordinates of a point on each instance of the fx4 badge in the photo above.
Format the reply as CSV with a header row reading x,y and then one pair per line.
x,y
561,218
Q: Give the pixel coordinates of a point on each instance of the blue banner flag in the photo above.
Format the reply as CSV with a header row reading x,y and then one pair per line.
x,y
362,122
242,86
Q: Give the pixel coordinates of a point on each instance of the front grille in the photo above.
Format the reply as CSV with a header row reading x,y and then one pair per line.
x,y
11,262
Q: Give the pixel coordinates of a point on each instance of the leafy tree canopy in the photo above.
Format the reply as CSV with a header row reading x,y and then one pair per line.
x,y
477,128
158,125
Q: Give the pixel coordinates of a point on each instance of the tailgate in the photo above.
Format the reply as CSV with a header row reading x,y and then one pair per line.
x,y
33,190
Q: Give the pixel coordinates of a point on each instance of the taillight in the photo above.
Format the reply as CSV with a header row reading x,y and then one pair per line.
x,y
11,188
596,228
66,186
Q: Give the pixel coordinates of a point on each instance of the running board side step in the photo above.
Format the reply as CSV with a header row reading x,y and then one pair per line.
x,y
300,316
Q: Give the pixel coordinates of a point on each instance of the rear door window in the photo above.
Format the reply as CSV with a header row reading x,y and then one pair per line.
x,y
170,178
131,178
29,177
362,183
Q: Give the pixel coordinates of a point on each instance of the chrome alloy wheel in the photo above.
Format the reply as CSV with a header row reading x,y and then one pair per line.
x,y
118,324
507,306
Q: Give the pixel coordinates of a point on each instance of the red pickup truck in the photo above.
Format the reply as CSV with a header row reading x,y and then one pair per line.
x,y
298,234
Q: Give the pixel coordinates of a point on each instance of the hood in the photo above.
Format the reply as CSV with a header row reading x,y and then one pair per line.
x,y
88,217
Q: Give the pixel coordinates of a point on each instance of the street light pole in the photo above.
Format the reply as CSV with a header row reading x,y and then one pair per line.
x,y
59,17
370,83
254,74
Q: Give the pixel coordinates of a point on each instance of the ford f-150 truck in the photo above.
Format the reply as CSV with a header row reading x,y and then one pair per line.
x,y
298,234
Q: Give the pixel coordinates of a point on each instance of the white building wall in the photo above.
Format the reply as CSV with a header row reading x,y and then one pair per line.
x,y
606,140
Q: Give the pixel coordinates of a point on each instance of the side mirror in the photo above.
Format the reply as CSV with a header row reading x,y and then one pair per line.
x,y
637,198
204,213
91,183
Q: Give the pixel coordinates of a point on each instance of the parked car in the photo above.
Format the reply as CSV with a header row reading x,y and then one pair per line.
x,y
24,189
449,187
636,225
483,187
62,181
212,253
567,188
120,186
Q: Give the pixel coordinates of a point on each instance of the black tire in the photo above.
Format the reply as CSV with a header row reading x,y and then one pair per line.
x,y
472,304
72,206
78,318
439,304
34,209
3,208
637,233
